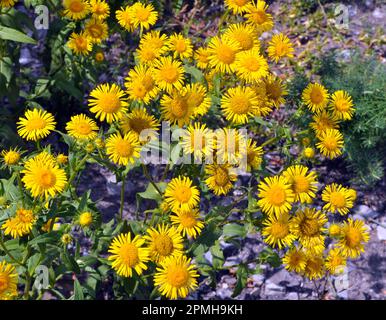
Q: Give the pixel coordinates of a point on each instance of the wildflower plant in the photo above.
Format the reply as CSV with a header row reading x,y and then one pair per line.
x,y
220,98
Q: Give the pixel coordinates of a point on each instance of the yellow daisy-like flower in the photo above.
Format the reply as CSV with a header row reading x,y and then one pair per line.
x,y
175,108
331,143
334,230
164,242
251,66
337,198
230,146
308,226
80,43
144,15
123,150
238,104
315,267
181,195
256,15
61,158
245,35
21,224
125,18
198,140
197,98
43,177
76,9
237,6
180,46
279,47
201,55
82,127
168,74
11,156
222,54
335,262
342,106
294,260
316,97
354,235
85,219
309,153
276,231
137,121
148,55
276,195
7,4
99,57
219,178
128,254
176,277
254,155
140,84
97,30
304,183
188,222
264,107
275,90
108,102
8,281
100,9
36,124
155,40
323,121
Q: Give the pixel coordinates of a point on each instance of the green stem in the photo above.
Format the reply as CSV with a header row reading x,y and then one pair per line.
x,y
2,245
165,172
147,175
272,140
122,197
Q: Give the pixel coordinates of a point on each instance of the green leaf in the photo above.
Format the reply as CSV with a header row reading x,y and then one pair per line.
x,y
46,238
6,68
151,192
242,278
217,255
15,35
195,73
234,230
33,262
78,291
70,262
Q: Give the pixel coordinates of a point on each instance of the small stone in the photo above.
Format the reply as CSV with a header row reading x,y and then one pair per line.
x,y
257,279
366,212
273,289
292,296
378,14
381,233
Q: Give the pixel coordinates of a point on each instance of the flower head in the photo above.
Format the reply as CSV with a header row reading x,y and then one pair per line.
x,y
276,231
220,178
80,43
36,124
123,150
76,9
188,222
337,198
331,143
341,105
354,234
82,127
181,195
168,74
315,97
304,183
8,281
279,47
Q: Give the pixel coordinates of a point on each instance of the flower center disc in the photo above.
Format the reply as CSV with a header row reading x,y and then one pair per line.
x,y
222,177
338,199
279,230
178,276
277,195
226,54
240,104
124,148
129,254
169,74
183,194
300,184
46,179
76,6
316,96
310,227
35,124
110,103
164,245
353,238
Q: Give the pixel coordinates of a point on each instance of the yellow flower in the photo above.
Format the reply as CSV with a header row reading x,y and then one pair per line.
x,y
99,57
254,155
238,104
155,40
334,230
125,18
353,194
237,6
61,158
354,234
230,145
123,149
294,260
219,178
137,121
276,195
107,102
335,262
304,183
80,43
308,226
168,74
341,105
43,177
51,225
275,90
180,46
140,84
181,195
187,222
198,140
100,9
265,106
11,156
316,97
197,98
331,143
175,108
8,281
97,30
7,4
128,254
323,121
143,15
244,35
201,55
256,15
276,231
337,198
21,224
85,219
76,9
314,268
66,239
36,124
176,277
280,46
164,242
222,54
82,127
309,153
251,66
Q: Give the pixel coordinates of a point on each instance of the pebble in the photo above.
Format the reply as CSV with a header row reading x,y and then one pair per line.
x,y
378,14
272,288
381,233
